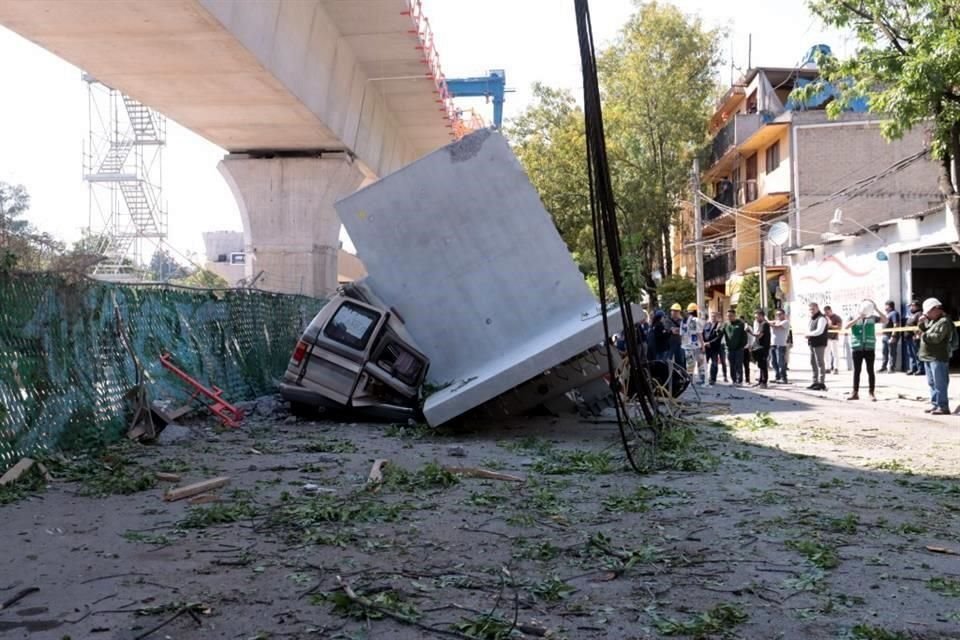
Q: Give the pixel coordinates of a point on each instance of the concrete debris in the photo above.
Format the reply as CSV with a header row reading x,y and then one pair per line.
x,y
459,235
457,451
270,406
175,434
376,471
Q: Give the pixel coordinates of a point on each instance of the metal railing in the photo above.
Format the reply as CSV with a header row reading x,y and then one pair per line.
x,y
733,134
719,267
747,192
424,34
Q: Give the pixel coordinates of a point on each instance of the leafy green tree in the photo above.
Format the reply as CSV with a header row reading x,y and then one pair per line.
x,y
676,289
21,246
908,67
749,300
202,279
164,267
658,86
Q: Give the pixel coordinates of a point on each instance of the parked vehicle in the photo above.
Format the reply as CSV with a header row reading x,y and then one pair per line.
x,y
357,355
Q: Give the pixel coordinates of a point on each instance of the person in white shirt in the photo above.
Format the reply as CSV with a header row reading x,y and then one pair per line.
x,y
691,336
778,354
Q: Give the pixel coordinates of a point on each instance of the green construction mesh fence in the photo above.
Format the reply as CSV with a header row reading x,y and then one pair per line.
x,y
69,353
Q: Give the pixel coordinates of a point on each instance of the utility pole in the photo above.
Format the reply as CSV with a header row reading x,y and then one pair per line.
x,y
763,267
698,237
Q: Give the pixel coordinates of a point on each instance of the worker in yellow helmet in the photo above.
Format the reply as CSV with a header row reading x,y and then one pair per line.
x,y
691,335
672,324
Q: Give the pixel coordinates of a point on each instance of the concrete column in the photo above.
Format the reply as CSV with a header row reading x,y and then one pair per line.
x,y
290,228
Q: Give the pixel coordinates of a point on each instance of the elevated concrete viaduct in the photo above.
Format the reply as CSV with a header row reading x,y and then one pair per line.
x,y
310,98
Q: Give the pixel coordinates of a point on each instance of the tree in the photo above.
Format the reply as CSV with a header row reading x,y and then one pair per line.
x,y
907,66
659,86
164,267
202,279
676,290
657,82
749,300
21,246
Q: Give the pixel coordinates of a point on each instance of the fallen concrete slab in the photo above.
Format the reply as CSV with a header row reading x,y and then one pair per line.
x,y
459,244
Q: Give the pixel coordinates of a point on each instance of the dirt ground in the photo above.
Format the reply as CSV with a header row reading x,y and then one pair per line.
x,y
787,515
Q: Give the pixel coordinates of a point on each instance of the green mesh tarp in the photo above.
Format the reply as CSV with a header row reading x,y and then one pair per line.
x,y
69,353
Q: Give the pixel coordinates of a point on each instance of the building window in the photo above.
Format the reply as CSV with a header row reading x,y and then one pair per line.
x,y
773,157
237,258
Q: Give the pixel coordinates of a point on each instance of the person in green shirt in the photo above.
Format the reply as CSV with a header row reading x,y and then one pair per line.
x,y
735,336
863,344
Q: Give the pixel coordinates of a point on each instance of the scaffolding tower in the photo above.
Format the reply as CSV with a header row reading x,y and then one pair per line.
x,y
122,165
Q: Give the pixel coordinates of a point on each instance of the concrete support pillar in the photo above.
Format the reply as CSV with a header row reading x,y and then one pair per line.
x,y
290,228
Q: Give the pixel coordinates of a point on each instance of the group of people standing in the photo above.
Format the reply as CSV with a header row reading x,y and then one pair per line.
x,y
930,334
706,348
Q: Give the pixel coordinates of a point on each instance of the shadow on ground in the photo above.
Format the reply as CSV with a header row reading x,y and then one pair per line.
x,y
770,517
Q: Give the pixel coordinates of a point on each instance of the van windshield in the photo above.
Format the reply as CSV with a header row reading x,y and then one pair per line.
x,y
352,325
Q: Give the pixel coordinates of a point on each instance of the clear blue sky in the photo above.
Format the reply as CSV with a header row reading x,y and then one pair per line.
x,y
43,115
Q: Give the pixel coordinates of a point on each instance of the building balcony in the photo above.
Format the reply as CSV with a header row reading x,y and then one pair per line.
x,y
733,134
765,196
716,270
747,192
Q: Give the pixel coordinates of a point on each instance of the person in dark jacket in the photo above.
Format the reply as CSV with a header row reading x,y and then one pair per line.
x,y
914,365
891,340
660,337
713,345
735,337
761,333
817,338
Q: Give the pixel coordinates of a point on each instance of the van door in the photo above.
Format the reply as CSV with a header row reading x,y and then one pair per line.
x,y
340,348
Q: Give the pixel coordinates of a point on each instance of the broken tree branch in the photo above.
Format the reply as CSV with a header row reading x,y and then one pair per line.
x,y
486,474
399,617
14,473
17,597
193,489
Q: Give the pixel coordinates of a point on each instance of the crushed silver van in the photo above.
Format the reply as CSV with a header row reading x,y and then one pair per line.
x,y
357,355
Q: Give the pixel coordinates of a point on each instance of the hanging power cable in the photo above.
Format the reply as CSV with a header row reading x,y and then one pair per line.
x,y
606,239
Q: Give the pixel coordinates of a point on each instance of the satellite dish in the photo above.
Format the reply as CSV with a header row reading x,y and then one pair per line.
x,y
779,234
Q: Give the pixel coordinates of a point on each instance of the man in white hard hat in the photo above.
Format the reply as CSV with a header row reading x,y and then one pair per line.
x,y
936,346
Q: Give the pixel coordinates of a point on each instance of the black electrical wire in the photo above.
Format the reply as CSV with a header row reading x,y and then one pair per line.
x,y
606,236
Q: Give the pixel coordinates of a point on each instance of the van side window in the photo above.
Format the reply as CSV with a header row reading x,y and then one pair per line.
x,y
352,325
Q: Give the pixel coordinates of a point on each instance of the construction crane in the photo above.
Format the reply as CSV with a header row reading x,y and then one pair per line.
x,y
493,86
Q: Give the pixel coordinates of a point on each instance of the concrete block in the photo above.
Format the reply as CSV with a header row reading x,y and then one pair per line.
x,y
461,246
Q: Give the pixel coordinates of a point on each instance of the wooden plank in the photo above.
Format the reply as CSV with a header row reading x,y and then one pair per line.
x,y
204,498
137,432
376,472
173,414
196,488
13,474
167,477
470,472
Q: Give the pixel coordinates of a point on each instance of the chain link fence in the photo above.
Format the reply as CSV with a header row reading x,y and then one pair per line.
x,y
72,354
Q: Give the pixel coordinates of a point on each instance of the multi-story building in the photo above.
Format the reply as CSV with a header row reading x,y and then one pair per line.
x,y
863,217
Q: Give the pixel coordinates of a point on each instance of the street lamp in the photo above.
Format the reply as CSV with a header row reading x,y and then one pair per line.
x,y
837,222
